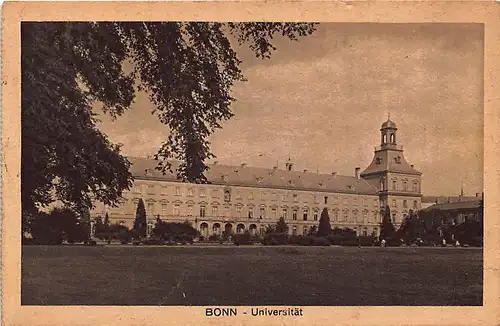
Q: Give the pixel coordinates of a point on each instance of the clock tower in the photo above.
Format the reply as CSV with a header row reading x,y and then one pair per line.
x,y
397,181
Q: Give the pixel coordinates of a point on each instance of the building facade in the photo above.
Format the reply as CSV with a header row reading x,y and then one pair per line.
x,y
243,198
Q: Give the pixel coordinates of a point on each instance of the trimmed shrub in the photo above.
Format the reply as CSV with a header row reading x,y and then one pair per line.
x,y
308,240
345,239
394,242
366,241
320,241
183,239
153,242
274,239
242,239
213,237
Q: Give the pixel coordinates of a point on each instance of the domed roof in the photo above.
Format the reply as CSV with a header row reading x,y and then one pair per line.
x,y
388,124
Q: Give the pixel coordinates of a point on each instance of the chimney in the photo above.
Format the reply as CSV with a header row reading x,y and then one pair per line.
x,y
411,166
477,195
334,174
243,165
356,172
275,167
305,170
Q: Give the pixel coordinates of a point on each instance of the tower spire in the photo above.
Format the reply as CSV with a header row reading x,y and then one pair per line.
x,y
289,163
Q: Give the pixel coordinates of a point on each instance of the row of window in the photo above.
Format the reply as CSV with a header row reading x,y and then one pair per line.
x,y
395,186
405,203
263,196
337,214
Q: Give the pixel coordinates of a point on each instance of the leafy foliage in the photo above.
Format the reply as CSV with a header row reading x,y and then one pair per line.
x,y
270,229
61,224
64,155
313,231
281,226
275,239
411,229
174,230
243,238
187,69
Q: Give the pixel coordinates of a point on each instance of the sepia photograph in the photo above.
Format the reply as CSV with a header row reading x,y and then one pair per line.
x,y
188,163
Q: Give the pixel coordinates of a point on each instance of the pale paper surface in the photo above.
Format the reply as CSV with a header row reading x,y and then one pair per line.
x,y
487,13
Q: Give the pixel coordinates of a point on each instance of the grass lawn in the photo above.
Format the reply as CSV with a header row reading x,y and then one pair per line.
x,y
191,275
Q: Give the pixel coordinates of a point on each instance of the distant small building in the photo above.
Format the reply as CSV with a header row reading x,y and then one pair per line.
x,y
456,211
428,201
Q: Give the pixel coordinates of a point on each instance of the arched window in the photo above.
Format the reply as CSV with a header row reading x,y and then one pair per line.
x,y
393,138
216,229
204,229
384,139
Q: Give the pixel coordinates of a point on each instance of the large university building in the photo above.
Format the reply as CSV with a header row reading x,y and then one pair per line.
x,y
240,198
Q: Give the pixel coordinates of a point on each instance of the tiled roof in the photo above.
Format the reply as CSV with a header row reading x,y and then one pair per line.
x,y
260,177
463,205
390,160
446,199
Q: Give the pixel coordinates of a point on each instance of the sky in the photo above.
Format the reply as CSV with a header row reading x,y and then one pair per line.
x,y
321,100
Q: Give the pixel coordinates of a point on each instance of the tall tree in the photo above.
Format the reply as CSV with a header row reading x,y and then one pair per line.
x,y
140,220
324,226
186,68
387,229
281,226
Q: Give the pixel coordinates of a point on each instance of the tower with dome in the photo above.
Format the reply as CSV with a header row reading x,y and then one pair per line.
x,y
397,181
